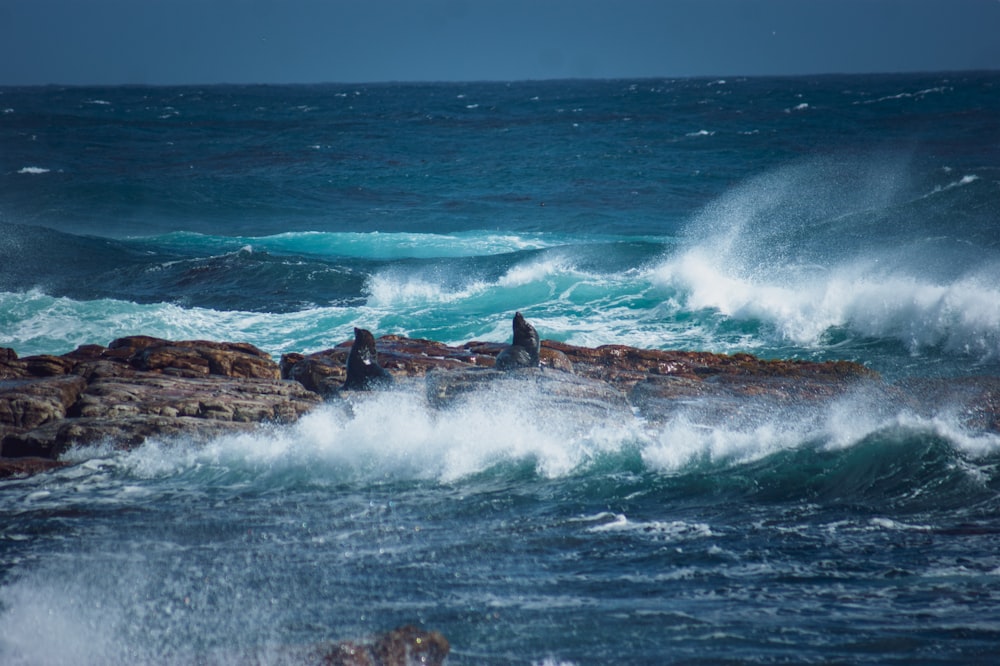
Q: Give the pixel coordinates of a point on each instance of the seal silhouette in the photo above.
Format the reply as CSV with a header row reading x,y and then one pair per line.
x,y
523,353
363,371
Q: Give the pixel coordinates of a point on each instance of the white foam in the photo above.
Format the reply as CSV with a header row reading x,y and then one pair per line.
x,y
960,317
389,290
908,95
534,271
33,170
967,179
395,245
671,530
397,434
740,263
684,442
39,323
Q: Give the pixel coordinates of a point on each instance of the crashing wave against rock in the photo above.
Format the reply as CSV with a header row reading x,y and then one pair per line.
x,y
139,387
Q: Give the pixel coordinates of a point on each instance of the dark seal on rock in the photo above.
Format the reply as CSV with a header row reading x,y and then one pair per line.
x,y
363,371
523,353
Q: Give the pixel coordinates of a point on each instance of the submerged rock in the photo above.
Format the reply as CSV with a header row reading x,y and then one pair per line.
x,y
405,646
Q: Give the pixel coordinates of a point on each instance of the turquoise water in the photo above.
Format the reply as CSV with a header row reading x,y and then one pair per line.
x,y
820,218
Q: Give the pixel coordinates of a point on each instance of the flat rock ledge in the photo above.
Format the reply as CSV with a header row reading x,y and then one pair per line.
x,y
135,388
140,387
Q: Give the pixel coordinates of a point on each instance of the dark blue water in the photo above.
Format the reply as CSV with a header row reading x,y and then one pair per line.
x,y
821,218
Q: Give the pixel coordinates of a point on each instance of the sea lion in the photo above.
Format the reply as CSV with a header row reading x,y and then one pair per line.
x,y
523,353
363,371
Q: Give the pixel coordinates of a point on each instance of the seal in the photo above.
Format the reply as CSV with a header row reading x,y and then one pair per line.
x,y
523,353
363,371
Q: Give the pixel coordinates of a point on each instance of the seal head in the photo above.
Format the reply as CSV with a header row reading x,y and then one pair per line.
x,y
523,353
363,371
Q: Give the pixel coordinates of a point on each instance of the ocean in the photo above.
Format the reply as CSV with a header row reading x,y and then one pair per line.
x,y
829,217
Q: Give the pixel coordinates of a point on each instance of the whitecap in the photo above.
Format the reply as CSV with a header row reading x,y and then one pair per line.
x,y
669,530
33,170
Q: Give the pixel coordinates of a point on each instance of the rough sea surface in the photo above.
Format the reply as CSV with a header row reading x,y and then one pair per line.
x,y
839,217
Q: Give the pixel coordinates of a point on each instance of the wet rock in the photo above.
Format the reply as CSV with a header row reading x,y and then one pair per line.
x,y
974,401
11,468
543,390
195,358
52,439
322,372
736,400
209,398
140,387
27,403
625,366
405,646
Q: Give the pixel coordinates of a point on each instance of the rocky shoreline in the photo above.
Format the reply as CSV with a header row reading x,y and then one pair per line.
x,y
139,386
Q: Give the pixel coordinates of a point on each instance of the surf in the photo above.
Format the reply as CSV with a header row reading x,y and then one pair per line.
x,y
819,252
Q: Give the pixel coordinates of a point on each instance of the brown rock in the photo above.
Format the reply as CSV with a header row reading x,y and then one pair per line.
x,y
625,366
28,403
405,646
45,416
209,397
322,372
18,467
734,399
547,391
47,366
195,358
53,438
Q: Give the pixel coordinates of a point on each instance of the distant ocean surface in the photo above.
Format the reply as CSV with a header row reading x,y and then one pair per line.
x,y
834,217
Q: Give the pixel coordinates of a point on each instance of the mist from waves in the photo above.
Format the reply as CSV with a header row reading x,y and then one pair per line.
x,y
834,252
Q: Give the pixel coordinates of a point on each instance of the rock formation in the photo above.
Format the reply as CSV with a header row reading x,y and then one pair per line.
x,y
405,646
140,387
136,388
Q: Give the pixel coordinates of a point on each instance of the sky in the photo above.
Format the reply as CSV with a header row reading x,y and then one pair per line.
x,y
163,42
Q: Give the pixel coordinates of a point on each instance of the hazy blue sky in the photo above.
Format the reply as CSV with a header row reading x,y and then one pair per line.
x,y
283,41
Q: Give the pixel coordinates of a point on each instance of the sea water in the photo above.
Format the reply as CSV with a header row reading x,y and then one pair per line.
x,y
839,217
